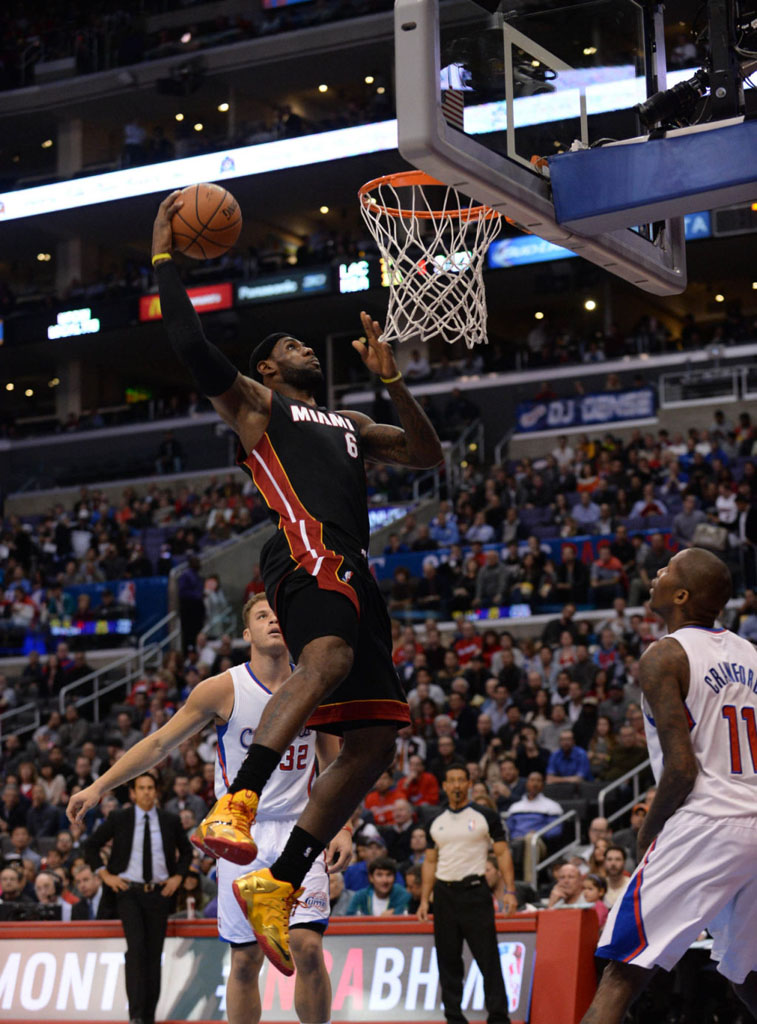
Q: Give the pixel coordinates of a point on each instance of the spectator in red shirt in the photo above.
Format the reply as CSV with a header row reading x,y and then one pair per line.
x,y
418,786
256,585
606,578
380,800
468,643
490,646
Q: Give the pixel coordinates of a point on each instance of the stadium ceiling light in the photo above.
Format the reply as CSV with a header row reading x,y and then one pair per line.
x,y
369,79
54,382
199,126
589,51
719,297
223,107
324,209
590,304
10,386
538,315
535,63
754,285
381,90
186,38
47,144
323,87
29,392
179,117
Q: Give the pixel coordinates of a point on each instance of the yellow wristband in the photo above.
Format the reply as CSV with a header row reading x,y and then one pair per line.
x,y
390,380
161,256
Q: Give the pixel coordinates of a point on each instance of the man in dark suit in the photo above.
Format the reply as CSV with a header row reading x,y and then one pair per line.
x,y
148,861
89,888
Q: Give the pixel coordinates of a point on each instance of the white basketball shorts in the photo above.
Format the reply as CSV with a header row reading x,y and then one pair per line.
x,y
700,872
271,836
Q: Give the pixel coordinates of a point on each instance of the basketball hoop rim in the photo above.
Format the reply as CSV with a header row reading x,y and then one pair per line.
x,y
407,179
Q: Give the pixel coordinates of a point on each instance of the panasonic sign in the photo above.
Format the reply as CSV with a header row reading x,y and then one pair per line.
x,y
72,323
285,285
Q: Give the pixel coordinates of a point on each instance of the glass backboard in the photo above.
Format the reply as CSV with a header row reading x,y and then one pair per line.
x,y
483,100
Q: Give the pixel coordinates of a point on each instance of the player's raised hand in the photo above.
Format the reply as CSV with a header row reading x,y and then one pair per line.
x,y
162,233
339,851
82,802
375,353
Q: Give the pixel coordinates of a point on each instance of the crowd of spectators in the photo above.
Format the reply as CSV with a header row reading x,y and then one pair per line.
x,y
482,700
113,543
556,342
104,36
645,497
541,723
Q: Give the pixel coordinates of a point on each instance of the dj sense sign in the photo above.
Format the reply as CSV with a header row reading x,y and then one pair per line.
x,y
374,977
587,410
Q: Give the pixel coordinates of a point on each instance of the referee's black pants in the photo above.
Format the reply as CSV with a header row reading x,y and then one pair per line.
x,y
464,910
144,915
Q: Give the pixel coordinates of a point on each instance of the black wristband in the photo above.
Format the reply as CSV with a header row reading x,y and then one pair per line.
x,y
212,372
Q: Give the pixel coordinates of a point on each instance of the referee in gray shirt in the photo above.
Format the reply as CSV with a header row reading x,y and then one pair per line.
x,y
459,841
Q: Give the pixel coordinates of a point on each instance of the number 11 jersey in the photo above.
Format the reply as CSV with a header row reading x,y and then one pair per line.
x,y
721,707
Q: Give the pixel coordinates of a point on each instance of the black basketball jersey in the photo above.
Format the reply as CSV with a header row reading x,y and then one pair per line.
x,y
309,468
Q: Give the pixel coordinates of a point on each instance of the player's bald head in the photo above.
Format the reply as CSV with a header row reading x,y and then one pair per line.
x,y
707,579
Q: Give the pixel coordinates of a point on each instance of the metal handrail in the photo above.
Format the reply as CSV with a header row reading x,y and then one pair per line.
x,y
124,682
473,433
432,474
501,447
615,784
31,708
145,651
536,836
93,678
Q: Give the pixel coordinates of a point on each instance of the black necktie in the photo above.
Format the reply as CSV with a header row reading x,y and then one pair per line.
x,y
90,908
147,853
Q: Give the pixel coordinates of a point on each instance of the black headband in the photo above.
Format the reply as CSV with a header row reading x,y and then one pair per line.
x,y
263,350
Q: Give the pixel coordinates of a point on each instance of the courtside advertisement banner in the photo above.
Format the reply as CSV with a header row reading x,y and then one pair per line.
x,y
205,299
385,976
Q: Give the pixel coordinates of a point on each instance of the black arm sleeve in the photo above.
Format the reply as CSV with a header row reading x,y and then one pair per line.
x,y
213,373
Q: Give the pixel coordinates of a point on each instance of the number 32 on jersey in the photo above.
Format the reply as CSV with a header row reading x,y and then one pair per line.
x,y
295,759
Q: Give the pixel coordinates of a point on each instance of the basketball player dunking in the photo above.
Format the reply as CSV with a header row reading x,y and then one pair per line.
x,y
235,700
698,843
307,463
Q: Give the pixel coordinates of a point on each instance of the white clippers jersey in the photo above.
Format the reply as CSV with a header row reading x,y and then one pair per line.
x,y
286,792
722,710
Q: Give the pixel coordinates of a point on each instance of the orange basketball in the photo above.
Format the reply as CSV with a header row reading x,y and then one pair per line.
x,y
208,223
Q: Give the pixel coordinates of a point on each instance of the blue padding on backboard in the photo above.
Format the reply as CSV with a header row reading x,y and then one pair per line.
x,y
621,186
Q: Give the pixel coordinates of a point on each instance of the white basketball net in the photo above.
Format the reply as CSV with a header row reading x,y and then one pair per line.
x,y
433,258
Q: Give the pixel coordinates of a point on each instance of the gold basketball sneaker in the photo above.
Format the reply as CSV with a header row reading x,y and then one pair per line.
x,y
225,832
267,904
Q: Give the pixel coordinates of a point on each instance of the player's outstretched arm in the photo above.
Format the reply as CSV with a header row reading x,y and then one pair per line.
x,y
415,443
212,697
239,401
664,679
